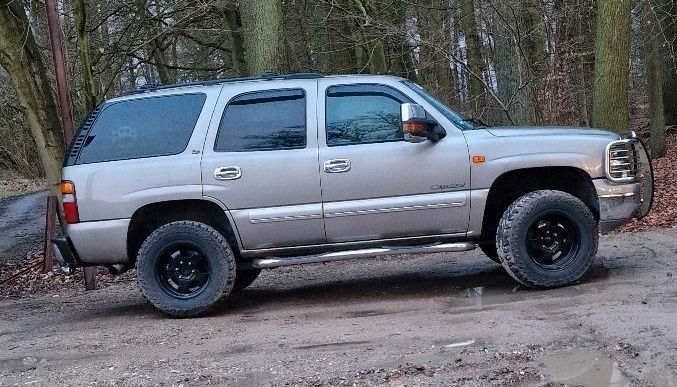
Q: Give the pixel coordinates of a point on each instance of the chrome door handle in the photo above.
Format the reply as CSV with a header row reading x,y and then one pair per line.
x,y
227,173
337,166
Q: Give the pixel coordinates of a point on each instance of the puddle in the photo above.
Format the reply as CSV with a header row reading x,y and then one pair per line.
x,y
368,313
460,344
487,297
583,367
333,345
22,364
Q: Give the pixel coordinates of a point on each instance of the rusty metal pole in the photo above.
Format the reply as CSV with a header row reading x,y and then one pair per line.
x,y
50,222
59,70
63,95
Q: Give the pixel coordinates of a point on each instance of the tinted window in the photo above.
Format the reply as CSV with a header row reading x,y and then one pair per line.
x,y
264,120
156,126
362,114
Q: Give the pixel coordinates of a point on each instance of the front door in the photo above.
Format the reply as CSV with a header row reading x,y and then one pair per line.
x,y
260,161
374,184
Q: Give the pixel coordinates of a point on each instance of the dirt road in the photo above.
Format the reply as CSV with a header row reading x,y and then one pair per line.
x,y
22,222
439,319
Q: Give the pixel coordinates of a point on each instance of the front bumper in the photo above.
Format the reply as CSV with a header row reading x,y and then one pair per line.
x,y
618,203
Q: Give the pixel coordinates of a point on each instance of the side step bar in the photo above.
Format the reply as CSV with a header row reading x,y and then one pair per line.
x,y
271,262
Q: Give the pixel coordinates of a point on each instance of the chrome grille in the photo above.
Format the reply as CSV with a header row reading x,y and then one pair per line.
x,y
622,160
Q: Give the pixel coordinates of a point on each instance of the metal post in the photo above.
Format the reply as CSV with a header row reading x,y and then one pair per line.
x,y
90,277
59,70
64,100
50,222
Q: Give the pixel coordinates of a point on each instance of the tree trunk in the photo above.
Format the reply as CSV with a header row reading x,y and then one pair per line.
x,y
80,12
434,62
20,57
667,13
263,35
341,43
473,48
236,52
400,51
519,59
319,35
612,66
371,53
654,80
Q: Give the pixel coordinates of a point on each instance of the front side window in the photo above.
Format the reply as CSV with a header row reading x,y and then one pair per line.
x,y
262,121
363,114
145,127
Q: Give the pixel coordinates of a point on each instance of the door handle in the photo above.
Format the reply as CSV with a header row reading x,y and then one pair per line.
x,y
227,173
337,166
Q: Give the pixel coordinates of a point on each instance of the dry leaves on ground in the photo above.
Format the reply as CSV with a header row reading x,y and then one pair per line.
x,y
664,211
27,277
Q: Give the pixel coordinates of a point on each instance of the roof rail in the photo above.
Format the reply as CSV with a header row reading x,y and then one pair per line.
x,y
268,75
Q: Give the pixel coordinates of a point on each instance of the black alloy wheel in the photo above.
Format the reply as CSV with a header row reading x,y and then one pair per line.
x,y
553,240
182,271
547,238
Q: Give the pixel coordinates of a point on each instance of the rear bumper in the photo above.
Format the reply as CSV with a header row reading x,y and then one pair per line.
x,y
618,203
99,243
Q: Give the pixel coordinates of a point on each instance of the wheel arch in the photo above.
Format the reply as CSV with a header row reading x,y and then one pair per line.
x,y
511,185
149,217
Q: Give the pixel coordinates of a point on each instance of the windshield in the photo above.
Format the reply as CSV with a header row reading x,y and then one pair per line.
x,y
441,107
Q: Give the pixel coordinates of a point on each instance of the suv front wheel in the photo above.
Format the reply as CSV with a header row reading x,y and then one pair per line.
x,y
183,268
547,239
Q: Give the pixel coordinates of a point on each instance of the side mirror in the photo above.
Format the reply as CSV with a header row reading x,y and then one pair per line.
x,y
416,125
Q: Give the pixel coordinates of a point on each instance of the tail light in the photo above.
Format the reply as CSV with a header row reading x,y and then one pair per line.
x,y
70,202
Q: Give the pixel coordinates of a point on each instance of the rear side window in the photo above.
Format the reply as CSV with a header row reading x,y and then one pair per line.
x,y
147,127
263,121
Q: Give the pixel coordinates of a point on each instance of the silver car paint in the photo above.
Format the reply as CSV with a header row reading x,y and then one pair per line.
x,y
510,149
394,189
285,199
277,200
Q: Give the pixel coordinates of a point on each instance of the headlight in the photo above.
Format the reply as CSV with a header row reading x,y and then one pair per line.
x,y
622,160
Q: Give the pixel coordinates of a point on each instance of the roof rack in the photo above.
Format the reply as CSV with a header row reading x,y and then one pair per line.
x,y
266,76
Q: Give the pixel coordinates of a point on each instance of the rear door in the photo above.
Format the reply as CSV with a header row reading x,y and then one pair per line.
x,y
374,184
260,161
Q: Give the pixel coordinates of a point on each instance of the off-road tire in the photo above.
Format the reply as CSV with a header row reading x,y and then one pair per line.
x,y
245,278
489,249
511,239
214,248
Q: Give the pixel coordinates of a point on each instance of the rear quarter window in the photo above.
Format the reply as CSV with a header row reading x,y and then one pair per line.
x,y
139,128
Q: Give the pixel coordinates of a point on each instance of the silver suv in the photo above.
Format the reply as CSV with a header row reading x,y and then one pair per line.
x,y
201,186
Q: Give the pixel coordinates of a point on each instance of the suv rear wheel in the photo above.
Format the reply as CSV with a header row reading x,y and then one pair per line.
x,y
184,268
547,239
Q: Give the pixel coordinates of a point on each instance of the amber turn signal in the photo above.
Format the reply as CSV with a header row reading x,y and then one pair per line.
x,y
478,159
413,127
67,187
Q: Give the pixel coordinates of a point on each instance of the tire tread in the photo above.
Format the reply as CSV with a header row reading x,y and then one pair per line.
x,y
507,240
227,268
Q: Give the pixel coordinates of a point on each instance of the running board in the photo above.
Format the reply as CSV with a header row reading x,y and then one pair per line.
x,y
271,262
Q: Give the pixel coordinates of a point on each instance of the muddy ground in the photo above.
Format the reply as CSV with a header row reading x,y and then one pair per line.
x,y
443,319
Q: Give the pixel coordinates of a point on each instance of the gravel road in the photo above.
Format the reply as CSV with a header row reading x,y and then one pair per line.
x,y
22,224
442,319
